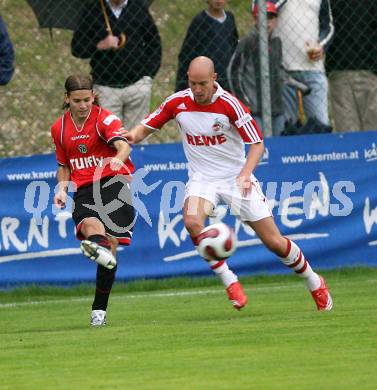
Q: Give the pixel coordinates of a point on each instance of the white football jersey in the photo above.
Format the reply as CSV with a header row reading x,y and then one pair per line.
x,y
213,135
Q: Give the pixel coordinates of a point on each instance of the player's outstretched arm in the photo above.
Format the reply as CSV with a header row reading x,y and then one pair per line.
x,y
136,134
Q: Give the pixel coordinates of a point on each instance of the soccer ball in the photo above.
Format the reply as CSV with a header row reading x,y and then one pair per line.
x,y
217,242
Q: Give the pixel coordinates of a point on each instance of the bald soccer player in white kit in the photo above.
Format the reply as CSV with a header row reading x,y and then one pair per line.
x,y
215,125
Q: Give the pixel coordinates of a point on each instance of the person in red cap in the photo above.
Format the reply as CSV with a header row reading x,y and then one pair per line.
x,y
270,8
244,71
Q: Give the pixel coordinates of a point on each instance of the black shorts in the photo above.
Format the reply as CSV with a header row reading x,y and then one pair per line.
x,y
110,201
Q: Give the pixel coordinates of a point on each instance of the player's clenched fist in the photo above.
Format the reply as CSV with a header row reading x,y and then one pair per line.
x,y
244,184
116,164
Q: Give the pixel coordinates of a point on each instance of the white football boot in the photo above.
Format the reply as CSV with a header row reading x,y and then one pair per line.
x,y
98,253
98,318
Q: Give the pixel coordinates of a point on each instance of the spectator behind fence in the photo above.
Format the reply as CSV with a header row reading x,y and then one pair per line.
x,y
122,75
352,65
244,74
212,33
6,55
305,28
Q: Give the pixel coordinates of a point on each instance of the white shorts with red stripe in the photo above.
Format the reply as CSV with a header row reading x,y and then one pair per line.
x,y
252,207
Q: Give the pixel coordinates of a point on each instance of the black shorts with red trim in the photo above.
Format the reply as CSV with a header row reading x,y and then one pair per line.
x,y
110,201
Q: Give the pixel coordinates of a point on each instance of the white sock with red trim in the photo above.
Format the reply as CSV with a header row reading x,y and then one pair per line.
x,y
221,269
295,259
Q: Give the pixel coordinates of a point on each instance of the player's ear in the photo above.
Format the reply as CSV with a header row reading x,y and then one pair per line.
x,y
215,76
66,98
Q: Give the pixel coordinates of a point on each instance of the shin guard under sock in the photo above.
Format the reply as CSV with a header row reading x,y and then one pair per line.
x,y
104,282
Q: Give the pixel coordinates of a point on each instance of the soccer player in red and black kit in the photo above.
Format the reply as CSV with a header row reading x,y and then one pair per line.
x,y
92,154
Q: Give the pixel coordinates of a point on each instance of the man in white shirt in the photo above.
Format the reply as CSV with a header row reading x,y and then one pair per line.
x,y
306,29
214,126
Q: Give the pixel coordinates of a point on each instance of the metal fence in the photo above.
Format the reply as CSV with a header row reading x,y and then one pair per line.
x,y
31,102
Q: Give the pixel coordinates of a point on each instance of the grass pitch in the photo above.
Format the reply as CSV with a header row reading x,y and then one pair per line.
x,y
184,334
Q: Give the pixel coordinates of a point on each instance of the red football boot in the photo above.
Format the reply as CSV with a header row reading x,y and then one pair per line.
x,y
236,295
322,297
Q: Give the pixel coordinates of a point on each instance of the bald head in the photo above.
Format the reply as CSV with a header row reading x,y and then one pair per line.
x,y
201,76
201,66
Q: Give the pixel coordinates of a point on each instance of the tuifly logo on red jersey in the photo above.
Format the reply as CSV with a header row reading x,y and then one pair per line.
x,y
86,162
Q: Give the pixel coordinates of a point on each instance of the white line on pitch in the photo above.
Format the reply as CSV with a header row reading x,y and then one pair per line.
x,y
142,295
118,296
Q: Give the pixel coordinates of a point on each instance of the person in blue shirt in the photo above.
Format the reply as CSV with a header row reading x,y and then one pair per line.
x,y
6,55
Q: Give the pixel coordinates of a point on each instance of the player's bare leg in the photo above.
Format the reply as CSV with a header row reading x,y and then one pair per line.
x,y
114,245
195,212
291,255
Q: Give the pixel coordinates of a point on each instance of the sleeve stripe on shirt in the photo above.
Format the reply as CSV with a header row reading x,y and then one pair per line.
x,y
151,116
235,104
241,111
62,130
99,134
155,113
97,128
249,128
144,123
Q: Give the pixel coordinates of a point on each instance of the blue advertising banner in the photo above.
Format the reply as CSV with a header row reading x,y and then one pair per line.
x,y
322,190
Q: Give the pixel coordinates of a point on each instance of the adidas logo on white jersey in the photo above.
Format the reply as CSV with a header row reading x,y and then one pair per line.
x,y
182,106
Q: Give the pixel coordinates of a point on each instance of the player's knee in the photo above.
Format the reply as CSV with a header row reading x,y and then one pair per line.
x,y
92,226
193,225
